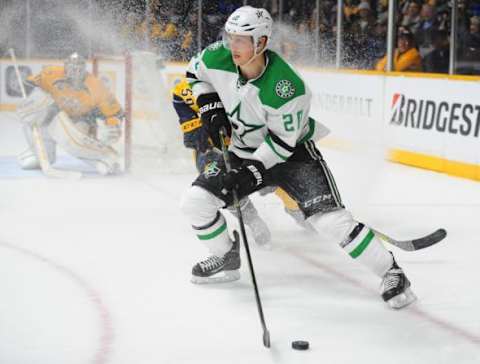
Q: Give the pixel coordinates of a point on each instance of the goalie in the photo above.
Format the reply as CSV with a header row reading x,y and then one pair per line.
x,y
71,108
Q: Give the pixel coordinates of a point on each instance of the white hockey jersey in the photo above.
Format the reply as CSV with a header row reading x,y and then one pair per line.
x,y
269,114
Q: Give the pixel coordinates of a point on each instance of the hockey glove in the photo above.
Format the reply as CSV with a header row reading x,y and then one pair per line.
x,y
245,179
213,115
195,135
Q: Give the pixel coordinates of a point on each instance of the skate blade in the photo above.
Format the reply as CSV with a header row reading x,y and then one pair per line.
x,y
228,276
403,299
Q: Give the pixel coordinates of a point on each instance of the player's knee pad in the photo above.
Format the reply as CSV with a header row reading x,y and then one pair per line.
x,y
210,226
336,224
200,206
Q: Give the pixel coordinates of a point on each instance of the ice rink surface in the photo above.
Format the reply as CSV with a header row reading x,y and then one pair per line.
x,y
97,271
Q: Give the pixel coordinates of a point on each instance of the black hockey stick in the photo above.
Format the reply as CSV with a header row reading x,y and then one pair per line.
x,y
236,204
414,244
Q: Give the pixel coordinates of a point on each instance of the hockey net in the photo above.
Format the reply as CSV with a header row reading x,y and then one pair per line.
x,y
152,140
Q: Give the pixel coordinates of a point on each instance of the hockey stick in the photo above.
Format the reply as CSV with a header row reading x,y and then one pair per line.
x,y
414,244
38,142
236,204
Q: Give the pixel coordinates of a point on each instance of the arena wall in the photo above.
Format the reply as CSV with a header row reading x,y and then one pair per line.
x,y
427,121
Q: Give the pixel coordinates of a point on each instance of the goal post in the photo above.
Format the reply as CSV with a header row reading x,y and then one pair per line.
x,y
152,139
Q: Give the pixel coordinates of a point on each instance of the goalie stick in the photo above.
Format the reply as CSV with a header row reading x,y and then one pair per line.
x,y
45,165
414,244
236,204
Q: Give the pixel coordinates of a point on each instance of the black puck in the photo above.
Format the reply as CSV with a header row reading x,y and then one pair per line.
x,y
300,345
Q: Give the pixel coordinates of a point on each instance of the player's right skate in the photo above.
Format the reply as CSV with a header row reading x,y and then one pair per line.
x,y
396,288
216,269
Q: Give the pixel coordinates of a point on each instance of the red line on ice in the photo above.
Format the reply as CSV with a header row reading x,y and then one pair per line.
x,y
443,324
107,335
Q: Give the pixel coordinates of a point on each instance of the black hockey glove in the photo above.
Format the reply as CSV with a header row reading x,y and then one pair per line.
x,y
213,116
245,179
195,135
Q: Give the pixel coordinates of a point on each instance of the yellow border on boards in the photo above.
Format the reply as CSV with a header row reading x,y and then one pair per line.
x,y
425,161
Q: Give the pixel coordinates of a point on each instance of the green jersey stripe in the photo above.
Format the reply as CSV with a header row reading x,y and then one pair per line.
x,y
269,141
363,245
213,234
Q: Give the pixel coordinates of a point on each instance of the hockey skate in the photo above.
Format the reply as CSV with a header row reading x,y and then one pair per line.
x,y
395,288
219,269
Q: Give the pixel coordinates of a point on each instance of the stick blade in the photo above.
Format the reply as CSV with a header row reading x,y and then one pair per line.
x,y
429,240
266,338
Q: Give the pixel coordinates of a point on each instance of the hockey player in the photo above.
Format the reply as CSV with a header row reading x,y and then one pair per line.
x,y
206,156
73,108
196,137
244,84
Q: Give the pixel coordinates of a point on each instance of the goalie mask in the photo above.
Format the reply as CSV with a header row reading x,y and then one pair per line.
x,y
249,21
75,70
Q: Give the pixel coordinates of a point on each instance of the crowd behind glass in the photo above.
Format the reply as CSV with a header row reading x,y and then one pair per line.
x,y
305,34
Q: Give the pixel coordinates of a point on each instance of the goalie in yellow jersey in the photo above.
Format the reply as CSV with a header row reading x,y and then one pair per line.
x,y
74,109
205,154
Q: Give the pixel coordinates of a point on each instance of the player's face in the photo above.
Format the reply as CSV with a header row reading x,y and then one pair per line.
x,y
241,47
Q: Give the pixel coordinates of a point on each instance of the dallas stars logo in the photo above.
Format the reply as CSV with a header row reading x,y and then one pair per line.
x,y
240,126
284,89
211,170
259,14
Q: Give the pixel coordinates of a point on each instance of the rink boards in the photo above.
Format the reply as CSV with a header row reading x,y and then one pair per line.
x,y
428,121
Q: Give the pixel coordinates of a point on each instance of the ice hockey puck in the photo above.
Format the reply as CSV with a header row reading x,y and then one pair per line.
x,y
300,345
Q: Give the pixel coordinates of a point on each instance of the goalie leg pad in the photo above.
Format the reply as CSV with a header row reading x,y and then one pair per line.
x,y
79,142
202,209
29,159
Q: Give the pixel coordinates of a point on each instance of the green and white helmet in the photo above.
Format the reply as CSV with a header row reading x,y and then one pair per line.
x,y
248,20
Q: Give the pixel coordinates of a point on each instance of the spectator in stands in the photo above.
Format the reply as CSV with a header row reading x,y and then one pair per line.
x,y
377,43
428,26
406,57
412,17
382,11
362,31
472,40
438,60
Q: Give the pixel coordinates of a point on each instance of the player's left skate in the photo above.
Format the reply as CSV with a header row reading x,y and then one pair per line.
x,y
216,269
395,288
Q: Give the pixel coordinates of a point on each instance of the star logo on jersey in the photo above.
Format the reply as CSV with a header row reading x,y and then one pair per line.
x,y
284,89
211,170
259,14
241,127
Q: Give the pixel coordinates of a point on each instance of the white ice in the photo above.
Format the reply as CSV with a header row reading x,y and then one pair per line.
x,y
97,271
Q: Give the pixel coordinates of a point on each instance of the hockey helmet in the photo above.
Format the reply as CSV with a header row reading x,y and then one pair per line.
x,y
75,69
247,20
